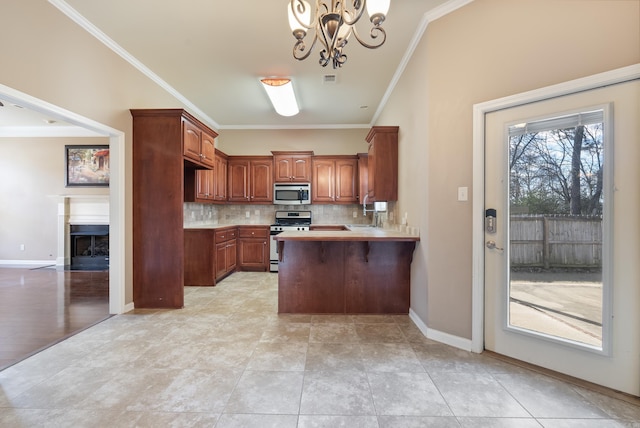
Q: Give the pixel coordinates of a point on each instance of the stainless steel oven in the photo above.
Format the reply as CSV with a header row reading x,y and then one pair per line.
x,y
286,221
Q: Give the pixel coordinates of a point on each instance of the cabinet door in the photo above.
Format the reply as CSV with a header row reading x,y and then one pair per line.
x,y
191,141
205,183
221,260
371,165
363,176
261,181
232,248
238,180
253,254
283,168
323,184
301,168
346,182
383,163
207,149
220,182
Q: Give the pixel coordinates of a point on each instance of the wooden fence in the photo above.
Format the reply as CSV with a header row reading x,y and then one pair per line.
x,y
556,241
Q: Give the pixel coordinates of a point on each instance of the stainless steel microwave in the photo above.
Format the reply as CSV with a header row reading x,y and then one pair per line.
x,y
292,193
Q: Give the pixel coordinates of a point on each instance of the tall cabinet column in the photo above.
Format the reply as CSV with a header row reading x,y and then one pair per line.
x,y
158,186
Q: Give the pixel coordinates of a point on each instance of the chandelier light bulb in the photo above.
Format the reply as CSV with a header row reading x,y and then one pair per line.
x,y
378,7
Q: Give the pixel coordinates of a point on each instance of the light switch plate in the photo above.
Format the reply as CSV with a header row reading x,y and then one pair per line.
x,y
463,193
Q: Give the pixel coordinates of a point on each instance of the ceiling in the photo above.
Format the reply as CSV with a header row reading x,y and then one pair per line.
x,y
211,54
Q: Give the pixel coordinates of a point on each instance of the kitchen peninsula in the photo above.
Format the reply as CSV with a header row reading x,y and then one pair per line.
x,y
363,270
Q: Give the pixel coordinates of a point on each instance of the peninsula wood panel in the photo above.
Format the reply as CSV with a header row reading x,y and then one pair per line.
x,y
378,279
337,276
310,278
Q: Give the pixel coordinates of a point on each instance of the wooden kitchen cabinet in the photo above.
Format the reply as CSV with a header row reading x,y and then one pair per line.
x,y
334,179
292,167
363,176
198,144
220,182
383,163
250,179
207,185
158,170
253,248
199,257
226,251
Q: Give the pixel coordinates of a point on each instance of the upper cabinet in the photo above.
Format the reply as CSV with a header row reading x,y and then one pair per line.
x,y
198,144
363,176
220,172
292,167
335,179
250,179
382,163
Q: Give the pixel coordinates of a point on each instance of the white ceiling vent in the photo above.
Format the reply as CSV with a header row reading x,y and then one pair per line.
x,y
329,79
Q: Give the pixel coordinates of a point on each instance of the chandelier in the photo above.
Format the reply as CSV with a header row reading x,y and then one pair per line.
x,y
334,25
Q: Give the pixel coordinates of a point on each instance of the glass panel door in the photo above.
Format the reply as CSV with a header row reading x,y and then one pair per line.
x,y
556,201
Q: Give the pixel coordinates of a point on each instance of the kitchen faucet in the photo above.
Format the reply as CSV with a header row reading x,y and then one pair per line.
x,y
365,211
364,206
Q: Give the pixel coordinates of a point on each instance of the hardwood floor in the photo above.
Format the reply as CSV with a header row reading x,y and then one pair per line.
x,y
39,307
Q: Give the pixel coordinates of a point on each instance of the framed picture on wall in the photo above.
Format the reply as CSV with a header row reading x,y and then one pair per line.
x,y
86,166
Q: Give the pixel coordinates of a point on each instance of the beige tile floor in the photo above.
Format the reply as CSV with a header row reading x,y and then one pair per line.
x,y
228,360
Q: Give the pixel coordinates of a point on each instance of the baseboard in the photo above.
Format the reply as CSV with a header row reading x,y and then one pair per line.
x,y
439,336
128,307
27,263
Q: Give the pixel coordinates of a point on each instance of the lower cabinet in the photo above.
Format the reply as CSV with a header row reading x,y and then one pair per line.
x,y
226,250
213,254
253,249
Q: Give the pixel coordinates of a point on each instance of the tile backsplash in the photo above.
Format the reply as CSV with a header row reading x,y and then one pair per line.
x,y
196,214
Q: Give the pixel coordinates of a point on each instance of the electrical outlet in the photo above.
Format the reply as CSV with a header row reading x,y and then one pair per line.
x,y
248,214
355,214
21,247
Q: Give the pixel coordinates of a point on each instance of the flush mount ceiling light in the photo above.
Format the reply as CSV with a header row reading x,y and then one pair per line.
x,y
334,25
280,92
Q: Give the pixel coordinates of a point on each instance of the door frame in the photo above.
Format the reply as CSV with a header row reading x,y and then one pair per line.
x,y
479,111
117,260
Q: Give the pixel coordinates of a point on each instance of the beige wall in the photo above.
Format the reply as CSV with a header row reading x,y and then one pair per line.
x,y
483,51
321,141
55,60
32,172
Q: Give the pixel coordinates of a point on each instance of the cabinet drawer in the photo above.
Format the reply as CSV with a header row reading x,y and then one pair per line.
x,y
226,235
254,232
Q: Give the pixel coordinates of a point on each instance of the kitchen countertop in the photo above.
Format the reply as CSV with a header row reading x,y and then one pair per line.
x,y
221,226
357,233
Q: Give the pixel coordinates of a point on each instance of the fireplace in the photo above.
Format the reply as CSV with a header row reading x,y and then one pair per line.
x,y
89,246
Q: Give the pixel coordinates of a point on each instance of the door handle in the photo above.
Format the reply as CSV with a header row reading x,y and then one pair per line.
x,y
492,246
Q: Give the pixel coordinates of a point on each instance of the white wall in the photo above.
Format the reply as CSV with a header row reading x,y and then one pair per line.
x,y
32,173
